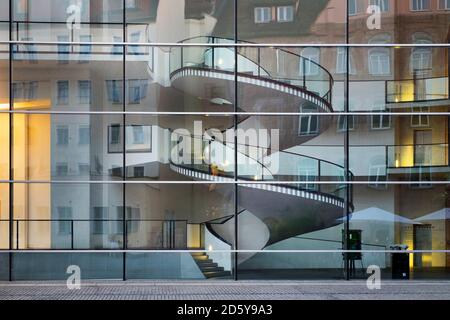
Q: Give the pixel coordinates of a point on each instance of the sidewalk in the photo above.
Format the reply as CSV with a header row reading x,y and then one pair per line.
x,y
228,290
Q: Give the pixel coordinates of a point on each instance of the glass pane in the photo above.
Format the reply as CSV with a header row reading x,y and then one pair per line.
x,y
67,147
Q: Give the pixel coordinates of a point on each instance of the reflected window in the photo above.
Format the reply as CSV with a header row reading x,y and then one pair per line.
x,y
62,97
98,223
84,91
138,172
352,7
85,49
84,134
444,4
285,14
130,4
63,50
263,14
62,169
380,121
137,90
114,137
308,124
382,4
310,65
30,50
341,61
307,175
420,120
133,217
134,37
423,177
420,5
117,49
379,61
64,220
62,135
114,90
25,91
377,176
421,57
138,134
342,123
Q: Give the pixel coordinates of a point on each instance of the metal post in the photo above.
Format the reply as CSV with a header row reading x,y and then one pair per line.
x,y
17,234
346,149
235,125
124,175
11,143
72,232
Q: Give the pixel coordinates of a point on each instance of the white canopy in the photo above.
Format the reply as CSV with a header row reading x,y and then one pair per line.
x,y
377,214
441,214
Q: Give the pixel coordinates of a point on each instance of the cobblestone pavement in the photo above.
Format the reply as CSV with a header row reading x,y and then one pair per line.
x,y
228,290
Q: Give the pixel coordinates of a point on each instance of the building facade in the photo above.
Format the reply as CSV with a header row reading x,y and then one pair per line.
x,y
197,139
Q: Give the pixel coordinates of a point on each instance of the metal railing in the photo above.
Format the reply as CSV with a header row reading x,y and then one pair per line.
x,y
273,64
100,234
257,164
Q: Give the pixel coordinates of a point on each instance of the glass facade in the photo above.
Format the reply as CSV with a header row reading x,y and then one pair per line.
x,y
198,139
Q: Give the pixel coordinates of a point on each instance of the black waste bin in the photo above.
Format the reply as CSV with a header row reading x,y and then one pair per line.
x,y
400,265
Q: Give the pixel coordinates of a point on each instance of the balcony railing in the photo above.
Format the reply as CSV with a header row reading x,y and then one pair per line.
x,y
417,90
417,155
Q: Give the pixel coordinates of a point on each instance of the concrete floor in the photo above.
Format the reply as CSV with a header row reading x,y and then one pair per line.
x,y
227,290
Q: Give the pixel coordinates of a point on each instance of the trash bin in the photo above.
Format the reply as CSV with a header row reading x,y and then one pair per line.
x,y
400,262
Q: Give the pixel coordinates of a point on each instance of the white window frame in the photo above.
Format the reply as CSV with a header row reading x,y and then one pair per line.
x,y
311,68
380,127
374,179
260,15
380,69
283,14
420,5
355,2
351,125
444,4
308,132
421,124
341,61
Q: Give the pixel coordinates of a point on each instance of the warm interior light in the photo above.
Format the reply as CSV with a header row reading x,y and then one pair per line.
x,y
210,248
396,163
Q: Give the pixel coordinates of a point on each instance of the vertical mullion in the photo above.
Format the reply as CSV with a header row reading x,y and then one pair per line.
x,y
124,174
346,147
235,125
11,143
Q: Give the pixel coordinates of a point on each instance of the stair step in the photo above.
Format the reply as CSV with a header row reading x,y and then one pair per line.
x,y
211,269
213,274
201,258
198,254
202,264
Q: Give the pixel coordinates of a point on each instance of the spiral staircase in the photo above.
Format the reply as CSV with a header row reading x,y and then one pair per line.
x,y
273,211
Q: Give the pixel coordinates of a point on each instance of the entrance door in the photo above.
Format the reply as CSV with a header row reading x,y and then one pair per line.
x,y
422,147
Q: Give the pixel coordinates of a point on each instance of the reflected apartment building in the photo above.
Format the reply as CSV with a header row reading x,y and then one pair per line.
x,y
92,134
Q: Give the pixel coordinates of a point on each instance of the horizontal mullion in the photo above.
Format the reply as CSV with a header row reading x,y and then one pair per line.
x,y
219,113
231,44
243,182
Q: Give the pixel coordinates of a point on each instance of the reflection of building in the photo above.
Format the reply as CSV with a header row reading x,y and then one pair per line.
x,y
113,174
